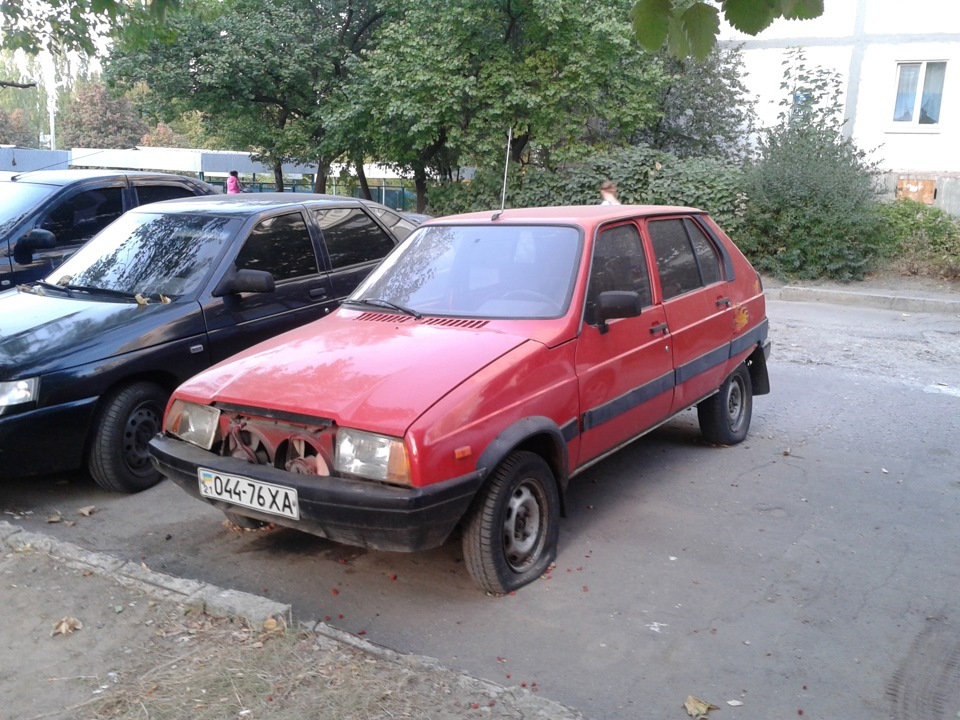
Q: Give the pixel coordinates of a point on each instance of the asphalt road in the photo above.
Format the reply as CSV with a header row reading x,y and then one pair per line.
x,y
810,569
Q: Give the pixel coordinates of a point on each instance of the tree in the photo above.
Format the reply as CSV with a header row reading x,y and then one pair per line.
x,y
268,81
691,27
93,118
15,130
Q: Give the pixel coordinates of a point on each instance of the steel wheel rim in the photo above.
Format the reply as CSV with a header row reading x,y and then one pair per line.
x,y
735,404
523,525
142,424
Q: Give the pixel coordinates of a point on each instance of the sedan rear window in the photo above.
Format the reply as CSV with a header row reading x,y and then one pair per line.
x,y
150,254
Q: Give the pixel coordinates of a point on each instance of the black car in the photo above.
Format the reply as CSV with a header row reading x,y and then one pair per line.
x,y
46,215
90,354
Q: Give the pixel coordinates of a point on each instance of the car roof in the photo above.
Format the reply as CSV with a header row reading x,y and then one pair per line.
x,y
65,177
252,203
565,214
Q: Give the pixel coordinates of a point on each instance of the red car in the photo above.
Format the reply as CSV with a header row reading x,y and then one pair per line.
x,y
487,360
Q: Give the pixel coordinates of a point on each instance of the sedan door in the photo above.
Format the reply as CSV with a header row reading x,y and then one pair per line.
x,y
283,246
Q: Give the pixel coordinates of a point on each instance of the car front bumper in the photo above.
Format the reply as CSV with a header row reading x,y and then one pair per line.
x,y
352,512
46,439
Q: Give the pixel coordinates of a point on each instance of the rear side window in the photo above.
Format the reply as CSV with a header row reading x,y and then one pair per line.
x,y
280,245
82,215
157,193
686,260
351,236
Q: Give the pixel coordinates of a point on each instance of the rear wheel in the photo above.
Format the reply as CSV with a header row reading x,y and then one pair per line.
x,y
119,460
725,416
511,535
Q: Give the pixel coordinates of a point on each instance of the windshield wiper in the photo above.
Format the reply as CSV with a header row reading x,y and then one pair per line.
x,y
50,286
101,291
380,302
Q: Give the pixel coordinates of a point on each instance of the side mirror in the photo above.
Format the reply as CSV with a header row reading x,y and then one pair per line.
x,y
240,281
36,239
616,304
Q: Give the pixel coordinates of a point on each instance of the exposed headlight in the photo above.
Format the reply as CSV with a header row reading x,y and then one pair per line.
x,y
194,423
376,457
17,392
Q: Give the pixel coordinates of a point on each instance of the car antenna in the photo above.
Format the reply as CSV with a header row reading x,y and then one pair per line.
x,y
506,164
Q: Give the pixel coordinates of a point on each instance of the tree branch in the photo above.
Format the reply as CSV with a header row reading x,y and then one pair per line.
x,y
11,84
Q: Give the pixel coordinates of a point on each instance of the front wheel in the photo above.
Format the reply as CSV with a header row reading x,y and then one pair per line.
x,y
510,537
119,459
725,416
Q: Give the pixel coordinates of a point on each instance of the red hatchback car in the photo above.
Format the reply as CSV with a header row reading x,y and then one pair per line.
x,y
487,360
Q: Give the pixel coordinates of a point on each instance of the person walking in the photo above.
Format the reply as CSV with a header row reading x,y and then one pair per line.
x,y
233,183
608,193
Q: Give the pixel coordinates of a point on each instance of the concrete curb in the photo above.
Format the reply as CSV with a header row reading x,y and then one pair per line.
x,y
883,301
256,610
213,601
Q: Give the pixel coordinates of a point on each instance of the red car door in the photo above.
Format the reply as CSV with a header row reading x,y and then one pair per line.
x,y
625,373
696,300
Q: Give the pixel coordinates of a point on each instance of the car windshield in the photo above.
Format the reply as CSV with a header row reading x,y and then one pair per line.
x,y
150,254
494,271
19,200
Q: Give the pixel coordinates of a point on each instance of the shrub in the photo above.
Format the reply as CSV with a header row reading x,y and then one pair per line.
x,y
813,206
642,175
927,238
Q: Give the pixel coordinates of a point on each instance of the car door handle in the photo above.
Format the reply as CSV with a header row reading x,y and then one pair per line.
x,y
318,293
662,327
723,301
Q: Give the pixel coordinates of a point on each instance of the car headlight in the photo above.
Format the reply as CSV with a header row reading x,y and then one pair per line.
x,y
196,424
17,392
376,457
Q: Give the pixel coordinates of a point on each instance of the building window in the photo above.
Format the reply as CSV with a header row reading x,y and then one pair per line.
x,y
919,92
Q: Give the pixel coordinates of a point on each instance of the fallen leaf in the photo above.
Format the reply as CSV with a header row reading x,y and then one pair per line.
x,y
141,300
697,708
164,299
66,626
87,511
55,518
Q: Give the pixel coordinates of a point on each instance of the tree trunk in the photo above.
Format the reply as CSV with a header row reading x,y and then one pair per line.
x,y
420,183
278,175
320,182
362,177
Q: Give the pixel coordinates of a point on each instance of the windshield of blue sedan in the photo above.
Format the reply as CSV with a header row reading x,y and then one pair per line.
x,y
149,254
19,199
494,271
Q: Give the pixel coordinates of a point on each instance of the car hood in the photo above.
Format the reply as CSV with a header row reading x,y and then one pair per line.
x,y
44,333
377,375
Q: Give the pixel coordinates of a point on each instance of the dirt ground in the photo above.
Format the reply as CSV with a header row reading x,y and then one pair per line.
x,y
77,644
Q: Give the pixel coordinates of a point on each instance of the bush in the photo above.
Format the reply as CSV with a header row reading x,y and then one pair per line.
x,y
642,175
813,207
927,238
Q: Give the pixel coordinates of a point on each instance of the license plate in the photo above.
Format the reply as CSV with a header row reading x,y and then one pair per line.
x,y
254,494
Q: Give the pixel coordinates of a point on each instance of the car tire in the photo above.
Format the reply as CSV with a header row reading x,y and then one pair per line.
x,y
243,522
725,416
510,537
129,417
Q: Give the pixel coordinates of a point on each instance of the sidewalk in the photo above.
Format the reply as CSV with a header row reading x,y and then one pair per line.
x,y
89,636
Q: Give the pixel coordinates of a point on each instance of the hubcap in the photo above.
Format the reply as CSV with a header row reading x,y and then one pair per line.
x,y
735,404
522,526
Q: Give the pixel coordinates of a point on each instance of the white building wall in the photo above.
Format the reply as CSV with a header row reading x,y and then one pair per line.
x,y
863,41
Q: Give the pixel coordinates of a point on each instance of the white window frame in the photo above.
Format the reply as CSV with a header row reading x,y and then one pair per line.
x,y
913,125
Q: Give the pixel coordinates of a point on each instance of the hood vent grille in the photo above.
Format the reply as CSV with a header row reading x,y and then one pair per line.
x,y
384,317
455,322
442,322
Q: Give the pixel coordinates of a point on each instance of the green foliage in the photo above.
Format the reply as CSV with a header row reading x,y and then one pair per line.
x,y
642,175
928,238
813,196
690,27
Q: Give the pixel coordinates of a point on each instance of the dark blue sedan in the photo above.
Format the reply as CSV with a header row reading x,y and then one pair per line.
x,y
90,354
